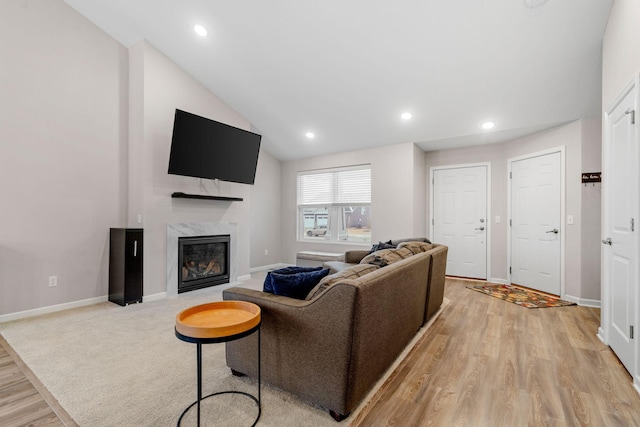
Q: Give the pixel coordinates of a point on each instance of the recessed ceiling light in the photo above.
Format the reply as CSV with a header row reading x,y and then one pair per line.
x,y
309,135
200,30
488,125
406,116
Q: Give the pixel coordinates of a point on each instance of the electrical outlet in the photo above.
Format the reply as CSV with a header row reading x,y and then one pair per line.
x,y
497,219
53,281
266,251
570,219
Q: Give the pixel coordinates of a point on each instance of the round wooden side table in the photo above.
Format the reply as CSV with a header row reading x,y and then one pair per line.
x,y
218,322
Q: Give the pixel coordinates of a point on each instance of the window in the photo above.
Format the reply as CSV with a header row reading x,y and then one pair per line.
x,y
335,205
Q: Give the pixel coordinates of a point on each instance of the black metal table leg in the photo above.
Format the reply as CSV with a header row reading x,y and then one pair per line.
x,y
259,381
199,357
199,342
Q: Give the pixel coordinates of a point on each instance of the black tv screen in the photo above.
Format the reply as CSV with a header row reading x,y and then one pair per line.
x,y
204,148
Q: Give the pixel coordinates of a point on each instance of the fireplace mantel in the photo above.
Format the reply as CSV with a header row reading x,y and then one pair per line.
x,y
175,231
180,195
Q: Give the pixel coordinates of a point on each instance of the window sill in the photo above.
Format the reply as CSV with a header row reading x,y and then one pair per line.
x,y
335,242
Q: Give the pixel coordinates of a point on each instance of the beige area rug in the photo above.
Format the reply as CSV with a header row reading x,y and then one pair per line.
x,y
123,366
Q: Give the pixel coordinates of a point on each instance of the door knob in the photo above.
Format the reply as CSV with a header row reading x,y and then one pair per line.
x,y
607,241
480,228
554,231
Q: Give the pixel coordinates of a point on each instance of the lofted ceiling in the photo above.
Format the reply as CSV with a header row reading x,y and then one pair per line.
x,y
346,69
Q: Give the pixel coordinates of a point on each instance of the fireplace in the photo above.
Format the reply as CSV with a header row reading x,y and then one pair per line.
x,y
203,261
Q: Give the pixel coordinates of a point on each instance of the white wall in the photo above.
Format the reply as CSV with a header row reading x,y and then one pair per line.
x,y
570,136
165,88
620,49
420,180
85,134
63,152
591,210
266,212
393,186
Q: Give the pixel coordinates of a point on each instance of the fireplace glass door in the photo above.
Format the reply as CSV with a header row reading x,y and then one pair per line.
x,y
203,261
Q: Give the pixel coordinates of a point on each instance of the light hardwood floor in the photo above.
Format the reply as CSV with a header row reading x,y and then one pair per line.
x,y
484,362
24,401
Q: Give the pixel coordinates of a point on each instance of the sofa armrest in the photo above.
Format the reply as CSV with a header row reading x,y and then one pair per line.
x,y
436,279
259,297
296,334
355,256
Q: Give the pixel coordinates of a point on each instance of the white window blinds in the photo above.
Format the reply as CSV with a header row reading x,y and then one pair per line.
x,y
345,186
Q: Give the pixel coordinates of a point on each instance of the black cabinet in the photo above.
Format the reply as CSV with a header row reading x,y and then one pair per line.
x,y
125,265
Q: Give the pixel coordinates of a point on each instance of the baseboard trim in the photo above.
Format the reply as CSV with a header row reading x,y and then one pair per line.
x,y
268,267
154,297
74,304
51,309
498,281
243,277
583,302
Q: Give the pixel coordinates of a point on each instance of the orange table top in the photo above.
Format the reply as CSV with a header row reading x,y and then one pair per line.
x,y
218,319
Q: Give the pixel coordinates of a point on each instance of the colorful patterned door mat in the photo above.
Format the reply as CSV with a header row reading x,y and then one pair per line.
x,y
524,297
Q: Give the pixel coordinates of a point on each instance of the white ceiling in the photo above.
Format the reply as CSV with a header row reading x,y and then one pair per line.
x,y
347,69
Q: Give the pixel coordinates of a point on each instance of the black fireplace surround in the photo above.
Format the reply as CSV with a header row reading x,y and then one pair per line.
x,y
203,261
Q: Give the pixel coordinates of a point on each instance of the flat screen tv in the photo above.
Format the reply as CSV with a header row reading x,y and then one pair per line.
x,y
204,148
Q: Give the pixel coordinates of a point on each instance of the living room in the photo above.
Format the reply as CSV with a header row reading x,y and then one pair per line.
x,y
87,124
95,132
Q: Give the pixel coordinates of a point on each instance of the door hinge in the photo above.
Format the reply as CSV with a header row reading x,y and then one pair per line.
x,y
509,270
632,225
432,221
631,331
509,223
633,115
510,175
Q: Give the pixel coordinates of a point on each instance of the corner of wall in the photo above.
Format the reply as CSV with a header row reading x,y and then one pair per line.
x,y
420,183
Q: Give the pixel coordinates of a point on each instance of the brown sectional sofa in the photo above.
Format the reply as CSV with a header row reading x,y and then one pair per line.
x,y
332,348
436,276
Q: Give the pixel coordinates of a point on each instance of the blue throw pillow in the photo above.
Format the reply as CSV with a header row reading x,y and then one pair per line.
x,y
268,287
296,285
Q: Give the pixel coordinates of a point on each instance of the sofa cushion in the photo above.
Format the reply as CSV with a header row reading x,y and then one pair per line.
x,y
268,286
386,256
409,239
352,272
296,285
416,247
336,266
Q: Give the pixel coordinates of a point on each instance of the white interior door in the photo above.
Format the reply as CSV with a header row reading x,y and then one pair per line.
x,y
620,212
536,222
460,219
